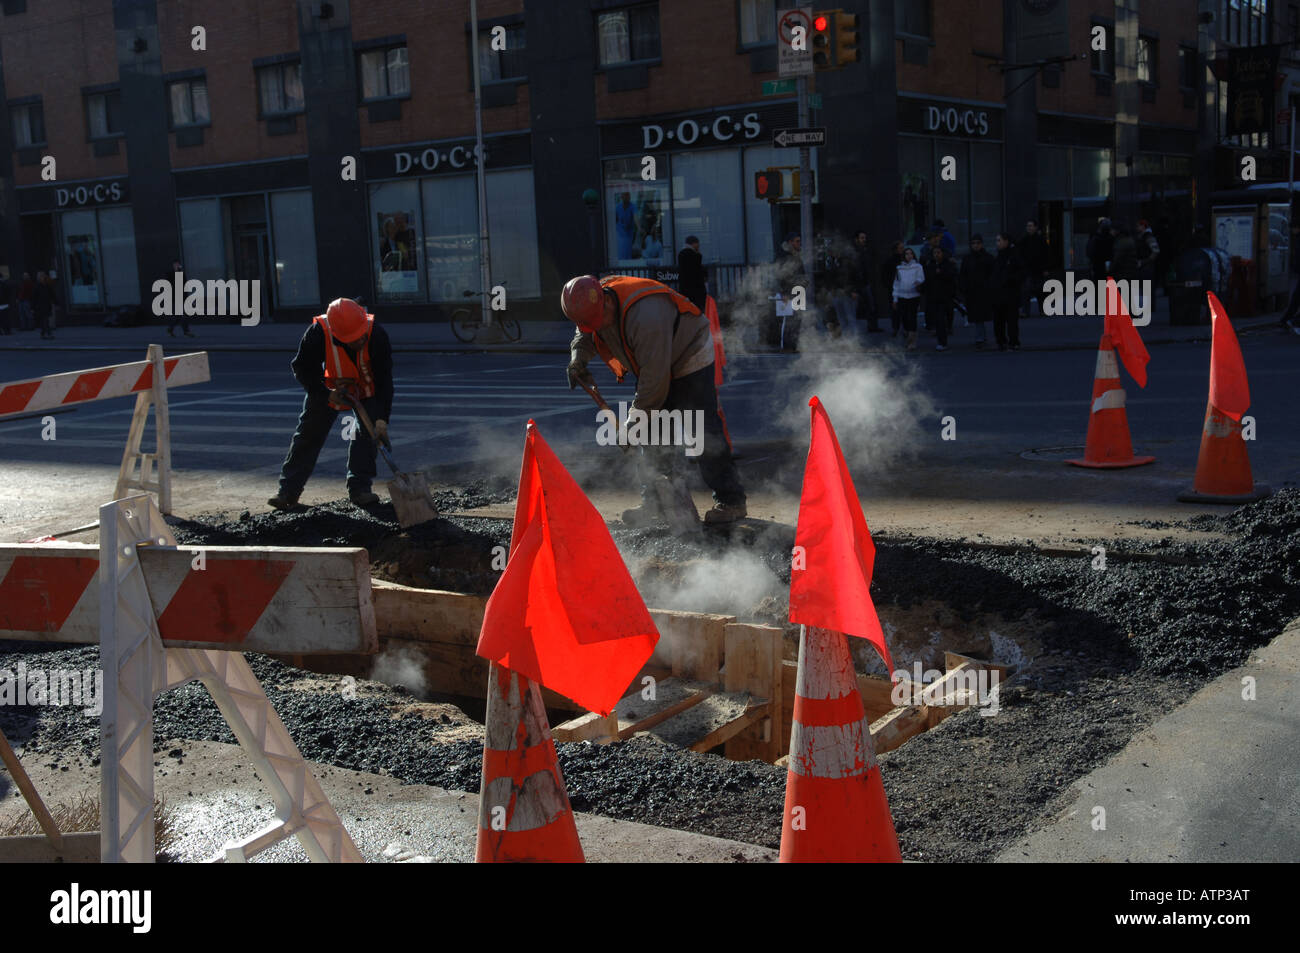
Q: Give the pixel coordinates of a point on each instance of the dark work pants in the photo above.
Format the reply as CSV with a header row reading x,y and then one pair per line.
x,y
1006,323
940,314
314,426
696,391
906,309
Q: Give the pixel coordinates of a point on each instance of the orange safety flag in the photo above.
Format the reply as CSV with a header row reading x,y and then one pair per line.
x,y
715,329
1229,390
1124,336
565,612
830,575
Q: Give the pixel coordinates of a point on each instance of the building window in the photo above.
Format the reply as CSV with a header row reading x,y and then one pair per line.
x,y
1103,60
1148,70
757,22
279,89
1187,67
103,114
189,102
629,35
502,64
385,73
913,17
29,125
640,232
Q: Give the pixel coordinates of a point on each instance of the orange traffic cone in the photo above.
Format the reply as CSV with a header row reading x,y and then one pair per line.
x,y
1223,465
524,812
1109,445
835,807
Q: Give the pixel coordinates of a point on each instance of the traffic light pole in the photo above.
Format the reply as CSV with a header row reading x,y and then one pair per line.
x,y
805,198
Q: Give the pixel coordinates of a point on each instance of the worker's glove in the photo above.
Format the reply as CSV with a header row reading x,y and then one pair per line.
x,y
381,432
577,373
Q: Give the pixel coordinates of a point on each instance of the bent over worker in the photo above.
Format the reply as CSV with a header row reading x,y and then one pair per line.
x,y
343,356
642,326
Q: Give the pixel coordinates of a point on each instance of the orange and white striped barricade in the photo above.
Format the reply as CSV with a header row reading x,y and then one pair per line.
x,y
166,615
149,380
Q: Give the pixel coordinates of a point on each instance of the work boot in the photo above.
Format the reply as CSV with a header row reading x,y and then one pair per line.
x,y
283,500
725,513
361,497
640,517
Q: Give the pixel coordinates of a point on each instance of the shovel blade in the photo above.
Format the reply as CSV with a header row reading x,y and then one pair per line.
x,y
675,503
411,499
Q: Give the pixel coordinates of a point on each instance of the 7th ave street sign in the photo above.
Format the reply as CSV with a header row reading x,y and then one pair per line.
x,y
800,137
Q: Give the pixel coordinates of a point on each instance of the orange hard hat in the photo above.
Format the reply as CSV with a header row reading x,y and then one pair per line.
x,y
347,320
583,301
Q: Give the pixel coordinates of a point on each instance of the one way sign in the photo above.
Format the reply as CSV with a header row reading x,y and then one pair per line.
x,y
799,137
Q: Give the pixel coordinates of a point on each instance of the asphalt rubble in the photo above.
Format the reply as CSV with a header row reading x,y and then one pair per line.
x,y
1116,648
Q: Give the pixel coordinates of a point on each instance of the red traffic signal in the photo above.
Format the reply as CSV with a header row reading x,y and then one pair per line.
x,y
767,184
820,23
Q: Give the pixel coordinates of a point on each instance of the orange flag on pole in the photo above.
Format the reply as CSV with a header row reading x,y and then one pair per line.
x,y
1124,336
1229,389
565,612
830,576
715,329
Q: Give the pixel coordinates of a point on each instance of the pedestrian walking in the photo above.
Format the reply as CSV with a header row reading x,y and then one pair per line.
x,y
179,317
940,294
343,356
946,241
864,274
1004,285
1034,253
26,319
643,326
974,282
43,303
789,275
1123,255
1100,246
7,310
888,271
909,280
1148,253
692,276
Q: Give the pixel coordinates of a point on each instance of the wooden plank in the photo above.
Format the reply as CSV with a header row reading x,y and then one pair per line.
x,y
753,716
588,727
408,613
672,696
898,726
953,659
80,848
699,722
692,641
753,664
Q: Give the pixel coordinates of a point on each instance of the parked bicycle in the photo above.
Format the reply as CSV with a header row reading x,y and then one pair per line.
x,y
467,322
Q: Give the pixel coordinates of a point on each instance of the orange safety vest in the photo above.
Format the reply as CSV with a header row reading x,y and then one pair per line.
x,y
629,291
340,368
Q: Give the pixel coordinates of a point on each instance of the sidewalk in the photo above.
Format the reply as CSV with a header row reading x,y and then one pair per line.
x,y
552,337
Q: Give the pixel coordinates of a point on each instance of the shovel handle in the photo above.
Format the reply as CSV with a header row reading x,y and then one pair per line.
x,y
603,405
370,429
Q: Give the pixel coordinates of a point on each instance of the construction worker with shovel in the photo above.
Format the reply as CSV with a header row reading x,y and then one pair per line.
x,y
344,356
642,326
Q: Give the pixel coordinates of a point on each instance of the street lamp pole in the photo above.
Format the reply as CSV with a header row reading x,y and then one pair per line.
x,y
484,251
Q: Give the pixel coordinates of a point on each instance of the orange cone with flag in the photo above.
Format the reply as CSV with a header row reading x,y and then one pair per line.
x,y
524,813
1109,444
565,615
835,806
1223,472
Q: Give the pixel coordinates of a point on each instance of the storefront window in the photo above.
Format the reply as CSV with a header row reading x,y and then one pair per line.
x,y
512,231
1091,173
1053,173
759,212
640,232
451,240
951,194
707,203
117,239
985,192
81,260
394,216
916,168
294,236
203,250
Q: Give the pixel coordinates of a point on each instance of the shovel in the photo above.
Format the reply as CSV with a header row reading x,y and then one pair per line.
x,y
408,491
669,492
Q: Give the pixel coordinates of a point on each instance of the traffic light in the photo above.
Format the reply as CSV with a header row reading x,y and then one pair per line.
x,y
767,184
797,183
823,24
846,39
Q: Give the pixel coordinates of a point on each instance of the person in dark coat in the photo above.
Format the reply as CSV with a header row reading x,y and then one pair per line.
x,y
1033,252
888,270
940,294
43,303
973,281
1004,286
1123,254
691,273
1100,247
864,275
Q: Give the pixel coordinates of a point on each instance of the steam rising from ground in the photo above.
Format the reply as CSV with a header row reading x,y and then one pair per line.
x,y
398,665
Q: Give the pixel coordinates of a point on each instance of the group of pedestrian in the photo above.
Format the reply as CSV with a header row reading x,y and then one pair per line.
x,y
32,301
1121,253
